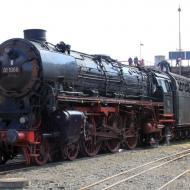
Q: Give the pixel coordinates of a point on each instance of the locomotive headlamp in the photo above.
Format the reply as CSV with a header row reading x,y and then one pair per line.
x,y
23,120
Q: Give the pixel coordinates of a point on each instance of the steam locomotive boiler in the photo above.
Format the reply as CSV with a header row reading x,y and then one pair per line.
x,y
56,102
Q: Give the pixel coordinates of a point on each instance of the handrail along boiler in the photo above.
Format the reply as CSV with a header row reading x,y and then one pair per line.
x,y
56,102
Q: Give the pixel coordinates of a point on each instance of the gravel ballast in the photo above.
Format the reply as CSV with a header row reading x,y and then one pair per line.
x,y
81,172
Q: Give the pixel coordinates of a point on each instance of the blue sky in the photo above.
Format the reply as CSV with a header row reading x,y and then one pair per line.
x,y
112,27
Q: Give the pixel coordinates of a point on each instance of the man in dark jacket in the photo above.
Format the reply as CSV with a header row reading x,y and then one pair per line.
x,y
136,61
164,66
130,61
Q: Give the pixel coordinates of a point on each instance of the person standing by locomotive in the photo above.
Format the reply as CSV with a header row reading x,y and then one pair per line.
x,y
130,61
164,66
141,63
136,61
178,62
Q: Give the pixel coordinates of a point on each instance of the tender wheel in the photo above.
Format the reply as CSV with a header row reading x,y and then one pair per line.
x,y
41,150
114,121
70,151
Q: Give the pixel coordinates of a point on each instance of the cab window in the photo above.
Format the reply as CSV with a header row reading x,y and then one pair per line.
x,y
168,86
164,84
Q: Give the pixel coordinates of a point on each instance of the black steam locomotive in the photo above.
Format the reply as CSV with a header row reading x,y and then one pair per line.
x,y
56,102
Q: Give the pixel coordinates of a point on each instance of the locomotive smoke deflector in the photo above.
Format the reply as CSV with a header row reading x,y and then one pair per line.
x,y
35,34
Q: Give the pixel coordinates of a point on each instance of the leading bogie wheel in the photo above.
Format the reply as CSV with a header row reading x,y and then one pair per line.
x,y
42,151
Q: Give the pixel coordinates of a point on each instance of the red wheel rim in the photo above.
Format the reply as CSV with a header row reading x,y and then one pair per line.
x,y
89,144
113,145
113,121
42,151
90,147
71,151
132,142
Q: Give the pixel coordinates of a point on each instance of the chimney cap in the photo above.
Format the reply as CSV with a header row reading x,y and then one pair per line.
x,y
35,34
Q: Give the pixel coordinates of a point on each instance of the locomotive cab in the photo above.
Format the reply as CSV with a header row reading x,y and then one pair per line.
x,y
164,92
165,84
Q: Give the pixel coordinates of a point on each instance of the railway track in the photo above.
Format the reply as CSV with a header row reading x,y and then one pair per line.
x,y
111,181
12,167
19,165
132,173
175,178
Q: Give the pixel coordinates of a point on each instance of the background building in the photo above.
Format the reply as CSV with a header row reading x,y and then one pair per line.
x,y
157,59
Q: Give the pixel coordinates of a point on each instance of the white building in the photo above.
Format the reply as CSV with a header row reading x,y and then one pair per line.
x,y
158,58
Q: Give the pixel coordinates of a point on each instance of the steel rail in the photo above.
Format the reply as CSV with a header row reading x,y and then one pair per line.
x,y
132,169
133,176
15,166
181,174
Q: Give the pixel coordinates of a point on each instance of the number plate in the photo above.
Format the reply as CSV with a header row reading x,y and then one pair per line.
x,y
6,70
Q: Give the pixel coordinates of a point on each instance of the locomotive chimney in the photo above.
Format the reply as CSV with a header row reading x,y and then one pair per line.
x,y
35,34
